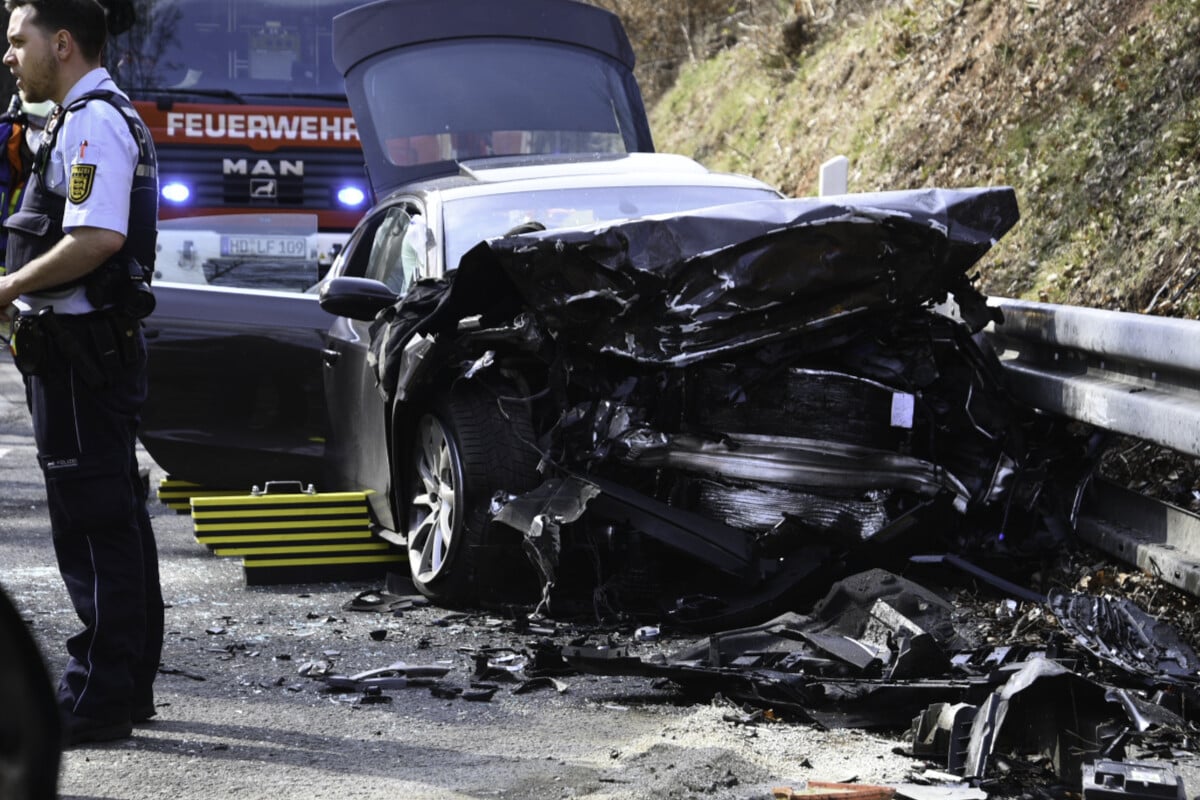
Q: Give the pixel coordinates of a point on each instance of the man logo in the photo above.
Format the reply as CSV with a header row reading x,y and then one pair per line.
x,y
83,177
262,168
264,188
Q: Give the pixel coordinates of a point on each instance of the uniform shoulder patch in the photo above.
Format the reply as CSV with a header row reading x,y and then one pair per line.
x,y
83,177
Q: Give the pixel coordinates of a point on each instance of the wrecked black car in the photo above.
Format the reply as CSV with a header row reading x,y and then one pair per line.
x,y
567,369
755,390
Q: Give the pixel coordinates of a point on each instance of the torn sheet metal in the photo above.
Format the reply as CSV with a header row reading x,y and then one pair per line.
x,y
538,515
1119,632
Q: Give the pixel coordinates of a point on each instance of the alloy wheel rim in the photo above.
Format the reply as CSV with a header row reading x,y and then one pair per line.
x,y
433,510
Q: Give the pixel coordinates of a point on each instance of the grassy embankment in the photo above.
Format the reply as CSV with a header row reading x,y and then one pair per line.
x,y
1089,108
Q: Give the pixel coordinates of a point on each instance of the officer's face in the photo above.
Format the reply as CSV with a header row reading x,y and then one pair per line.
x,y
31,57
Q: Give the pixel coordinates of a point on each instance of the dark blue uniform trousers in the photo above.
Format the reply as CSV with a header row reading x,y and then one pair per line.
x,y
102,536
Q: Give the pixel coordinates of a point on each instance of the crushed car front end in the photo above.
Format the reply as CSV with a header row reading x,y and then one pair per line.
x,y
705,409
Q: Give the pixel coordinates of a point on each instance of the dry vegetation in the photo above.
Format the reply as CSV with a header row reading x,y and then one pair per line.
x,y
1089,108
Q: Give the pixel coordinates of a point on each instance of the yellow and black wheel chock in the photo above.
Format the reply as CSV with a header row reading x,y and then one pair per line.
x,y
296,536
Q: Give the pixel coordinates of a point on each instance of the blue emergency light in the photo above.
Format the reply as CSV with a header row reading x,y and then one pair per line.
x,y
351,196
176,192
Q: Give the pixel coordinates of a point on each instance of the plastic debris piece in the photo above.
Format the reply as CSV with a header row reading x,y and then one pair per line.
x,y
445,692
480,692
1131,780
543,682
648,633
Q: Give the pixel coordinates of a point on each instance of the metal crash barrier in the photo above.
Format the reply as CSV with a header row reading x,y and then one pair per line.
x,y
1130,374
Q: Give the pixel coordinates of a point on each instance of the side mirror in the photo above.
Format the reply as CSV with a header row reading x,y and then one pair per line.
x,y
357,298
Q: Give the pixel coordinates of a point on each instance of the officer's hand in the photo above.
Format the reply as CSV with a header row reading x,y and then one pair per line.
x,y
7,315
7,294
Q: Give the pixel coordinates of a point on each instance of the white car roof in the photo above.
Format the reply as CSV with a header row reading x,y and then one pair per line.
x,y
495,176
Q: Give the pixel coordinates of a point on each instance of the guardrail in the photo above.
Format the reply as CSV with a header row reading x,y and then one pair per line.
x,y
1131,374
1128,373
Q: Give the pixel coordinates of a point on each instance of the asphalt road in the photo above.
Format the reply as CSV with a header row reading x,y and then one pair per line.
x,y
236,718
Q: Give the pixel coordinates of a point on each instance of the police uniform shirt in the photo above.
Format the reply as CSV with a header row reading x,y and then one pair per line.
x,y
92,166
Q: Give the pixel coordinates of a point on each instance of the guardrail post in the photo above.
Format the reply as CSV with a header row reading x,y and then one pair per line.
x,y
835,176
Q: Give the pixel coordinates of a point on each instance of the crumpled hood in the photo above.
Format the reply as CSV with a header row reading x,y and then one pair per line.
x,y
676,289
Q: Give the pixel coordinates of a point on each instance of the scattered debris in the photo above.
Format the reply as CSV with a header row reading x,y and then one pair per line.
x,y
882,652
544,682
195,676
398,675
383,602
480,692
647,633
315,669
372,695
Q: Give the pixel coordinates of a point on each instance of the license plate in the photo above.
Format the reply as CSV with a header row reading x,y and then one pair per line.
x,y
265,246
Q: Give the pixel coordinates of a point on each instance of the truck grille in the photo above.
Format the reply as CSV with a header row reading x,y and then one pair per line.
x,y
325,172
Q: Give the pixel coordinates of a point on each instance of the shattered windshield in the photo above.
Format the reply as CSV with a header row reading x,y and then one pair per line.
x,y
470,220
456,100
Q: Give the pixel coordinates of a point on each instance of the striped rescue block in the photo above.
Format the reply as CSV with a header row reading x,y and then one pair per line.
x,y
297,537
177,495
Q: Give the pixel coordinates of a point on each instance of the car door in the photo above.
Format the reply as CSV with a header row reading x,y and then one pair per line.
x,y
394,246
235,373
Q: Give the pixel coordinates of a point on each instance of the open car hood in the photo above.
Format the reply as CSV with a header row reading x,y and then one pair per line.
x,y
434,82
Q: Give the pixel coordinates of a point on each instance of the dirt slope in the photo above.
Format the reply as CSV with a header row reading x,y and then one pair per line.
x,y
1089,108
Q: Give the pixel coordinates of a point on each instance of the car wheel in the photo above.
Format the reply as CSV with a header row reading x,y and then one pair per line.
x,y
30,732
463,450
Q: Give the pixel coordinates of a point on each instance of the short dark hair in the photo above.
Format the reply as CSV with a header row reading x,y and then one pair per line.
x,y
83,19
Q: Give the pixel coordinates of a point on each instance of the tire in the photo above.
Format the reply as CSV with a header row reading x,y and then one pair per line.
x,y
30,732
462,450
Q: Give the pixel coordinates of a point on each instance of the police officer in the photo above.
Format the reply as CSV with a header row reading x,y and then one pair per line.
x,y
79,248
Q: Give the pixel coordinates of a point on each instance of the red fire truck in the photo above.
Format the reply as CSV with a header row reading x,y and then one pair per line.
x,y
260,166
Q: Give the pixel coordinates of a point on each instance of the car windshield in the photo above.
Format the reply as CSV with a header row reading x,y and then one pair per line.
x,y
470,220
230,48
450,101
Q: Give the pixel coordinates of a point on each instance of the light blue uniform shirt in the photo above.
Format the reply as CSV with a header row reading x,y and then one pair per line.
x,y
92,165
